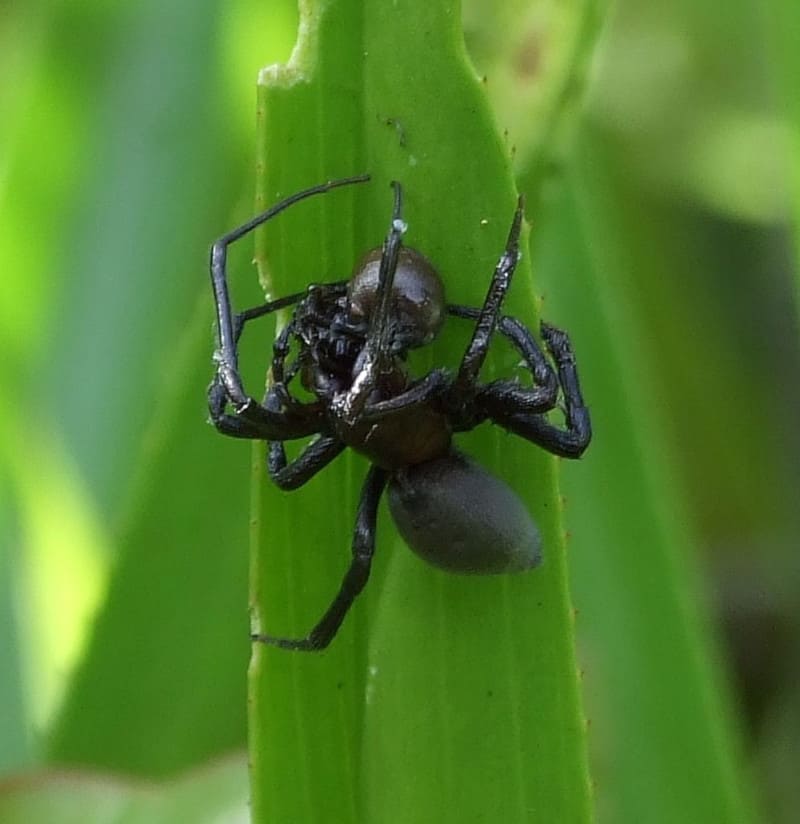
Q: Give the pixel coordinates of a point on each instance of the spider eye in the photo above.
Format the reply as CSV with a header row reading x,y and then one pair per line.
x,y
418,302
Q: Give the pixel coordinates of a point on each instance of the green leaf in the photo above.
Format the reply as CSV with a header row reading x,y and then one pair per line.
x,y
534,57
442,698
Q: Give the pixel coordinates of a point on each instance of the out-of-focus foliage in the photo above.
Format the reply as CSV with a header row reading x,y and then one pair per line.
x,y
212,793
126,144
681,182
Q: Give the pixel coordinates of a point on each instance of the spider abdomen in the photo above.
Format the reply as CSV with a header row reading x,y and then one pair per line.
x,y
459,517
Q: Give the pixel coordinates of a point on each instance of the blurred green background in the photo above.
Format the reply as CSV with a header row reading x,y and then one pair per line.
x,y
127,145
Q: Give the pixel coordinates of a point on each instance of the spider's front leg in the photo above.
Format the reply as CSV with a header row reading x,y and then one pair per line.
x,y
542,395
487,317
377,359
538,398
249,418
569,441
227,423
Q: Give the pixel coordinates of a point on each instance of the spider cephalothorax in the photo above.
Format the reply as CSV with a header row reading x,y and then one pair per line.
x,y
346,343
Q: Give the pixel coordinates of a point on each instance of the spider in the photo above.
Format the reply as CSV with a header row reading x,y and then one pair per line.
x,y
350,341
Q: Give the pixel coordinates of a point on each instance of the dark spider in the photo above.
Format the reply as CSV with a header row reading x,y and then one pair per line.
x,y
352,338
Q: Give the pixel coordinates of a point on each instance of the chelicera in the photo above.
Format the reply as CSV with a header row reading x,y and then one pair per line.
x,y
346,345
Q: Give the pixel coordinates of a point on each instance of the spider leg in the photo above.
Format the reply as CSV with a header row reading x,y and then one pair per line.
x,y
356,577
350,404
252,419
278,393
312,459
422,392
262,309
282,417
543,394
570,441
226,356
232,425
488,316
281,346
219,253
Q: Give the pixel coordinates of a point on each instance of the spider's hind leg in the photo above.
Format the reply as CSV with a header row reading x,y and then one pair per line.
x,y
356,576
